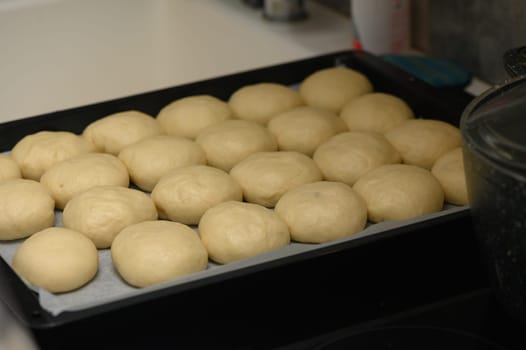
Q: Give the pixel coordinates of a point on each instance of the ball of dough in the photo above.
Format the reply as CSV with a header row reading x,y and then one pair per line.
x,y
422,141
116,131
322,211
375,112
232,231
449,171
149,159
78,174
57,259
304,128
346,157
152,252
229,142
189,115
331,88
37,152
185,194
260,102
8,168
266,176
101,212
399,192
26,207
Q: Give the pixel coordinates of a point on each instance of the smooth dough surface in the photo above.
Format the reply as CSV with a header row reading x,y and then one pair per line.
x,y
347,156
399,192
152,252
77,174
332,88
57,259
149,159
26,207
37,152
375,112
101,212
229,142
260,102
304,128
231,231
112,133
8,168
183,195
422,141
189,115
266,176
449,171
322,211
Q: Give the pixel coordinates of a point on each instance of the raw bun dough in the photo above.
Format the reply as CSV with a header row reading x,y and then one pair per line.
x,y
149,159
152,252
266,176
57,259
233,231
9,168
332,88
260,102
184,194
229,142
346,157
116,131
101,212
375,112
422,141
304,128
78,174
399,192
449,171
37,152
189,115
26,207
322,211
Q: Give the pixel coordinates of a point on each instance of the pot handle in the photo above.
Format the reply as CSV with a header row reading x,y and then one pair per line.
x,y
515,61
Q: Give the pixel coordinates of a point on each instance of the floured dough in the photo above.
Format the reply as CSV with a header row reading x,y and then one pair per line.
x,y
449,171
322,211
8,168
232,231
57,259
152,252
399,192
101,212
183,195
26,207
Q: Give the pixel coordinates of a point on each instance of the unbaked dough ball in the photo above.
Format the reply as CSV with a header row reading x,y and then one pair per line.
x,y
346,157
37,152
304,128
116,131
78,174
322,211
189,115
8,168
422,141
232,231
101,212
57,259
449,171
149,159
152,252
375,112
266,176
229,142
183,195
26,207
399,192
331,88
260,102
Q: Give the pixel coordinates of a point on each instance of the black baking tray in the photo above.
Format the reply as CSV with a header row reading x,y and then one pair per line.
x,y
307,293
